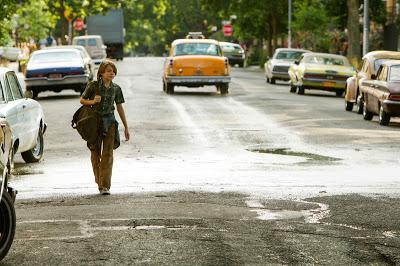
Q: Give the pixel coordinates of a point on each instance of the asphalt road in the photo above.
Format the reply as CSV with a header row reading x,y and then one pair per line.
x,y
260,176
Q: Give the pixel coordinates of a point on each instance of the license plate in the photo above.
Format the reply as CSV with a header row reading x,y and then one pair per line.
x,y
328,84
55,76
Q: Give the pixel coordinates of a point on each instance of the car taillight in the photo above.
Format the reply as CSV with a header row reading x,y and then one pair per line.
x,y
394,97
226,61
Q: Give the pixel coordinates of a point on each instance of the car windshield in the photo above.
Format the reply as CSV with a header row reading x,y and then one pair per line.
x,y
64,56
394,73
326,60
293,55
196,49
231,48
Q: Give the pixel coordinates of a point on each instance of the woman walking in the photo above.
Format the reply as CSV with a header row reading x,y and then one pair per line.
x,y
101,94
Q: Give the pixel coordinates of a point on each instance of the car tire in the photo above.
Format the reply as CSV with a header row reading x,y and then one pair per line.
x,y
224,89
169,88
273,81
300,90
384,117
349,106
267,79
35,154
366,113
241,64
339,93
7,224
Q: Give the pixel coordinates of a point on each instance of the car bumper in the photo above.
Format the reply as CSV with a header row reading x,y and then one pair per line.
x,y
391,107
199,80
324,84
67,80
280,75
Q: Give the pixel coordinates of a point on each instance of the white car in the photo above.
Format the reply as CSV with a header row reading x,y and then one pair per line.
x,y
10,53
24,115
277,67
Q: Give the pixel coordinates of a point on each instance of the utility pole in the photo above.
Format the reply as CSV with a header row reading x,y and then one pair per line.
x,y
365,27
289,23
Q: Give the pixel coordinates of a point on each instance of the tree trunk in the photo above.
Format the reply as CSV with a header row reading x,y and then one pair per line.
x,y
353,27
274,32
270,48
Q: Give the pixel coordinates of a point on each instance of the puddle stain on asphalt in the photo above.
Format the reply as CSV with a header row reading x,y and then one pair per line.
x,y
312,158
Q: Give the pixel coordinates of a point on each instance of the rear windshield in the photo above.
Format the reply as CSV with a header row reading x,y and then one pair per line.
x,y
55,57
197,49
394,73
378,63
326,60
293,55
231,48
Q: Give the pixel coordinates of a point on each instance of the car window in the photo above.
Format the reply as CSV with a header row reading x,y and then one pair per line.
x,y
1,94
63,56
92,42
81,42
382,73
394,73
325,60
14,86
231,48
378,63
196,49
292,55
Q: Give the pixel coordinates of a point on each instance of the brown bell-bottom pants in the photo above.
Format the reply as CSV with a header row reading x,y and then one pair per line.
x,y
102,159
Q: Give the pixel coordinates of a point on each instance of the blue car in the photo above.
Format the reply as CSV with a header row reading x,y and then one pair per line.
x,y
56,70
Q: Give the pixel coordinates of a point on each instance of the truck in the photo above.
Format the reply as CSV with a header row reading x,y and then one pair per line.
x,y
111,28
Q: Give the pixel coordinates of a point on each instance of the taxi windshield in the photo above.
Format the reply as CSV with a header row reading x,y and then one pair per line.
x,y
197,49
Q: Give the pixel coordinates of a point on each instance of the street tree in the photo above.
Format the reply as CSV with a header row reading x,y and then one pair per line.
x,y
6,12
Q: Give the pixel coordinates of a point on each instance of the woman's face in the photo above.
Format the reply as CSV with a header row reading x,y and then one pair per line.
x,y
108,74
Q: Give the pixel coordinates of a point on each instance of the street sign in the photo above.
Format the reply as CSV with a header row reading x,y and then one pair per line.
x,y
78,24
227,30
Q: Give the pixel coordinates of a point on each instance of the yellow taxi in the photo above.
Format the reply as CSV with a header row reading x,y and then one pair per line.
x,y
196,62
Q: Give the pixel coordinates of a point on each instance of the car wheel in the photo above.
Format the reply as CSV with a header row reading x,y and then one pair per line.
x,y
169,88
224,88
366,113
349,106
35,94
300,90
267,80
339,93
7,224
384,117
360,104
272,81
35,154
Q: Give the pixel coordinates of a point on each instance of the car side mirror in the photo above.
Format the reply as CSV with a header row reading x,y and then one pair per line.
x,y
28,94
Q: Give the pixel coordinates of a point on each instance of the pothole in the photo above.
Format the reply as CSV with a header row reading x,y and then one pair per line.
x,y
311,158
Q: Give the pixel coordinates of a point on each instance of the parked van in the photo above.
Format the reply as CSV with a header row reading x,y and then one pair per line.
x,y
94,45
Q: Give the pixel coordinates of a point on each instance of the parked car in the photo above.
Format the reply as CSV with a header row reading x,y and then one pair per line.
x,y
196,63
320,71
7,194
10,53
85,55
381,94
56,70
277,67
94,45
234,52
24,115
370,65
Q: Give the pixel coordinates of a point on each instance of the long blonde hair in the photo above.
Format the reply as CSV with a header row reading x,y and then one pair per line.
x,y
102,68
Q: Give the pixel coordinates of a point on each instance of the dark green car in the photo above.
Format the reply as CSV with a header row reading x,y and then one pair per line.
x,y
234,52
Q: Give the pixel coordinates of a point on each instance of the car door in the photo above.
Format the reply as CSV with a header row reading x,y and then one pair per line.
x,y
375,90
20,106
